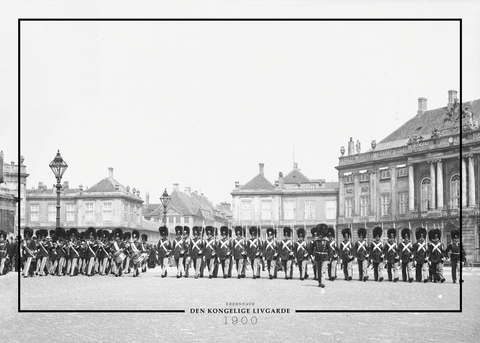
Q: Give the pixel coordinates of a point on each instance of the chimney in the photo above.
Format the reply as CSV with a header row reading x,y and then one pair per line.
x,y
295,166
81,187
65,185
110,172
237,184
147,198
280,180
175,186
117,187
40,185
351,149
187,190
276,183
452,96
422,106
260,168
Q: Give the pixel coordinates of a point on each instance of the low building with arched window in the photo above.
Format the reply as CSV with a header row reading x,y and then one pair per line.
x,y
425,173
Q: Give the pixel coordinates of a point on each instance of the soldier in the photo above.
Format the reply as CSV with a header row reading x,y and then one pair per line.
x,y
332,267
164,248
406,255
136,252
239,253
52,253
196,250
90,250
286,253
210,251
73,247
42,255
270,253
346,254
310,251
3,252
145,247
117,248
301,253
187,240
179,249
224,249
126,242
436,251
322,253
376,254
390,250
420,255
29,251
253,248
361,253
103,252
457,254
62,252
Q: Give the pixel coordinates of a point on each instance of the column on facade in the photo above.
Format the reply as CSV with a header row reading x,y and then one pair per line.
x,y
341,197
372,191
432,185
471,182
411,189
439,185
464,182
356,190
393,193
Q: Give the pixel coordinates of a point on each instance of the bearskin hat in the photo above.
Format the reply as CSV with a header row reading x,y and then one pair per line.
x,y
127,235
186,230
455,234
209,229
106,234
82,235
91,232
196,229
392,232
420,231
74,232
224,230
117,233
270,231
3,234
287,231
51,232
432,233
377,231
163,231
144,237
314,231
347,231
27,233
253,230
54,237
99,233
301,232
404,232
67,234
178,230
238,229
43,233
362,232
322,230
60,232
136,234
331,231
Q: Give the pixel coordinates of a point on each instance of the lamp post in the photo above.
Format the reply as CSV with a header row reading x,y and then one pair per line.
x,y
165,199
58,166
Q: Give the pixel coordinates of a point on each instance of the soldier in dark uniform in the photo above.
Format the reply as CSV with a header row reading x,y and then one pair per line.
x,y
332,267
135,251
210,251
196,250
390,250
126,243
90,250
224,249
322,253
376,254
436,251
117,248
457,255
310,251
420,255
42,248
164,248
29,251
270,253
406,255
145,247
239,253
346,254
361,253
187,259
286,253
3,252
179,249
103,252
253,248
301,253
62,252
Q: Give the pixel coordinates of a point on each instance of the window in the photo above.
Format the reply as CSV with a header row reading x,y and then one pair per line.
x,y
107,212
455,191
295,187
331,209
348,207
312,186
125,212
401,172
385,198
309,209
266,209
132,217
89,211
364,202
177,219
34,212
52,213
385,174
348,179
138,215
186,220
288,210
402,203
170,219
70,209
246,209
364,177
425,194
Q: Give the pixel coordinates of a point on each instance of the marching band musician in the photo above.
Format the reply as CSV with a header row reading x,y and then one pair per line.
x,y
253,248
346,254
29,251
164,248
361,253
61,250
457,255
210,251
74,246
301,253
52,254
68,261
270,253
3,252
224,249
196,250
103,251
116,248
436,252
82,264
238,247
136,252
42,255
376,254
286,253
390,250
332,267
420,255
179,249
145,252
90,250
406,255
322,253
126,242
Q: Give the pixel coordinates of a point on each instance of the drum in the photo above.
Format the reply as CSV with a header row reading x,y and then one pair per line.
x,y
119,256
137,257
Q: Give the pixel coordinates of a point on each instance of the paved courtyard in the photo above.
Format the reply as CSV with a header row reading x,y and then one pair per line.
x,y
151,292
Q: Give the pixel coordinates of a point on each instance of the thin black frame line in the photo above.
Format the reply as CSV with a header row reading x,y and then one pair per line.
x,y
220,19
103,311
460,165
17,262
376,311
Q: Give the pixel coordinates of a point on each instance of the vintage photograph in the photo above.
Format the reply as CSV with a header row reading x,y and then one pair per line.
x,y
241,175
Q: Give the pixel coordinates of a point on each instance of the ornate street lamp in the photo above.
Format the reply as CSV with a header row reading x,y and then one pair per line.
x,y
58,166
165,199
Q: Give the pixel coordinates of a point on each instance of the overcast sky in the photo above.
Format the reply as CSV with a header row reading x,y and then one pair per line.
x,y
202,103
